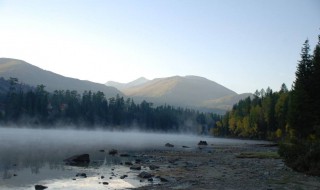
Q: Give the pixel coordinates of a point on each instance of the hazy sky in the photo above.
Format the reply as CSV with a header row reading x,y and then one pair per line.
x,y
242,44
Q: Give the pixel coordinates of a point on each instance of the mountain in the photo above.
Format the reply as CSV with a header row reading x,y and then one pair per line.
x,y
134,83
33,76
189,91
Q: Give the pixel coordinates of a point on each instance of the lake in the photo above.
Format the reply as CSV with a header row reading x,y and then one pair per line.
x,y
35,156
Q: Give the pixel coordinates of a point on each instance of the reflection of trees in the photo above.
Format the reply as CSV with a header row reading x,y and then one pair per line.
x,y
36,156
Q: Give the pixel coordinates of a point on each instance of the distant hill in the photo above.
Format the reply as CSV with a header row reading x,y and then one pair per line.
x,y
134,83
226,102
33,76
189,91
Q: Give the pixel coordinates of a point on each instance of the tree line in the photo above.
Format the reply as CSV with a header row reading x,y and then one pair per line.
x,y
38,107
289,117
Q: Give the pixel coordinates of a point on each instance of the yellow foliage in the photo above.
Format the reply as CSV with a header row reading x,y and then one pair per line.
x,y
278,133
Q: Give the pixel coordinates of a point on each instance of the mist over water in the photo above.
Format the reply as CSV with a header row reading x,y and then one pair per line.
x,y
36,155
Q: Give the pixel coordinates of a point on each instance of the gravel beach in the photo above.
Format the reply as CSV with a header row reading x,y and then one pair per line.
x,y
245,166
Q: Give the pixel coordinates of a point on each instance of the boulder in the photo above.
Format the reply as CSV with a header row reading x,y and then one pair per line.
x,y
78,160
145,175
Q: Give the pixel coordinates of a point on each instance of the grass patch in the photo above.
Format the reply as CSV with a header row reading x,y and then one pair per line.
x,y
260,155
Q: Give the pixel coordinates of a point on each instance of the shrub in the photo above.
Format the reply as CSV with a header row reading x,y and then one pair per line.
x,y
302,156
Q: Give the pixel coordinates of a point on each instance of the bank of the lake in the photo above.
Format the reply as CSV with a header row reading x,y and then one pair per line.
x,y
242,166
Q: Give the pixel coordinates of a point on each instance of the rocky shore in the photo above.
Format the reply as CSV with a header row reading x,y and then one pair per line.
x,y
246,166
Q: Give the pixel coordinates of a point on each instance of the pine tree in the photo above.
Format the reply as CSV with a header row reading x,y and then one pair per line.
x,y
301,112
316,87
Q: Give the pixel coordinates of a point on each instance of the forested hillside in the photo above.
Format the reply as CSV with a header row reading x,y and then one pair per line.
x,y
61,108
290,117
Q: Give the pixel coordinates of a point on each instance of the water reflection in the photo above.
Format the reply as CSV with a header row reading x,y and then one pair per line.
x,y
35,156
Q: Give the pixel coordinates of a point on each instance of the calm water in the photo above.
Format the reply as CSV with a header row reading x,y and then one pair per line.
x,y
35,156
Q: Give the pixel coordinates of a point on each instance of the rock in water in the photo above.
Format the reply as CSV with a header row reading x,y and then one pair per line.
x,y
113,152
203,143
40,187
169,145
78,160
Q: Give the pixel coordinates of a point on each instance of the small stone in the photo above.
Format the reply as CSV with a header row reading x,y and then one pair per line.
x,y
105,183
102,177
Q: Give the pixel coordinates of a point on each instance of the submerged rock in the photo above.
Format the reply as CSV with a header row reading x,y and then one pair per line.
x,y
78,160
169,145
124,155
40,187
105,183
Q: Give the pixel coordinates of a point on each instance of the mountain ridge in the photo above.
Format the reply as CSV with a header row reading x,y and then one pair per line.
x,y
185,91
133,83
33,76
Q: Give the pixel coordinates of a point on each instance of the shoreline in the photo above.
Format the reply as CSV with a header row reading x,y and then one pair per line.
x,y
222,167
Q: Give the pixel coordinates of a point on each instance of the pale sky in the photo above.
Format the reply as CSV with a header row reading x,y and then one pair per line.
x,y
242,44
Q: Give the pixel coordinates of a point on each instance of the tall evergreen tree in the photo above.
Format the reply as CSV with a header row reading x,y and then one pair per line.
x,y
301,112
